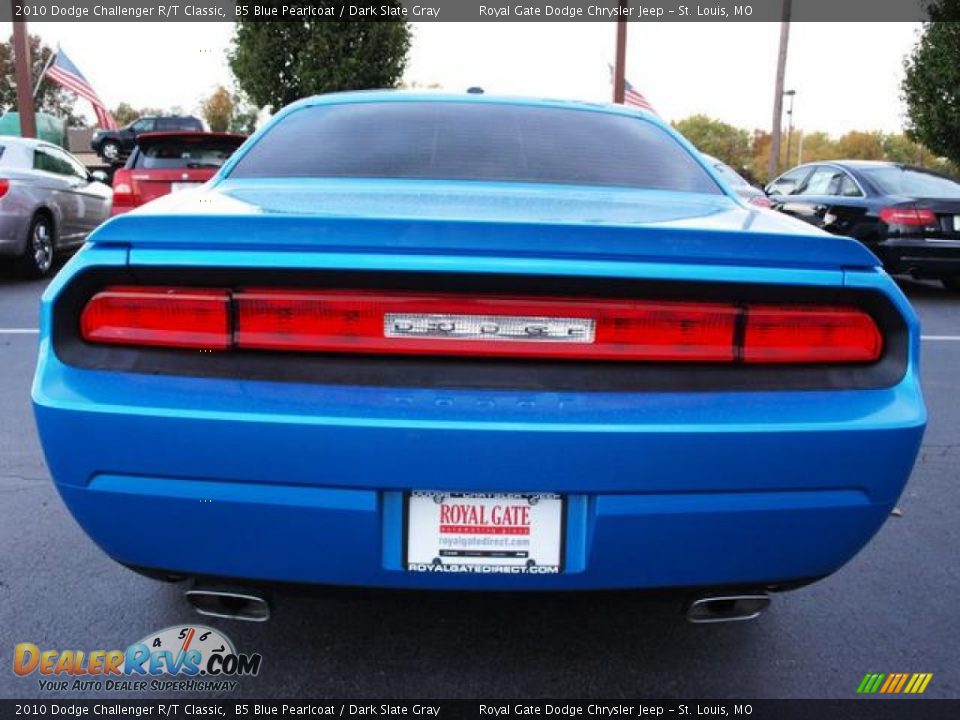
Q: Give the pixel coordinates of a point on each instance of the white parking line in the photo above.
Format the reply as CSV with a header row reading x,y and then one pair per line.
x,y
941,338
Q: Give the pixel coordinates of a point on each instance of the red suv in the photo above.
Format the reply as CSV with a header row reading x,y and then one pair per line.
x,y
166,162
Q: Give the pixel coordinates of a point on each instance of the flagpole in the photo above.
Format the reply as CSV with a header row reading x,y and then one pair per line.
x,y
21,57
53,56
619,70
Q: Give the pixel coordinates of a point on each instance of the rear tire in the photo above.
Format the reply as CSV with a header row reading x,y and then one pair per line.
x,y
37,258
951,283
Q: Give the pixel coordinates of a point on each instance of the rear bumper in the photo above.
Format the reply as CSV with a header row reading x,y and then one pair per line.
x,y
13,232
933,258
183,476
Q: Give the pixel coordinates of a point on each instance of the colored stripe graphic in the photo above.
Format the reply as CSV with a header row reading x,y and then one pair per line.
x,y
894,683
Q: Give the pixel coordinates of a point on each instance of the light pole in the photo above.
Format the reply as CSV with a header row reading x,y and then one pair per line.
x,y
773,169
790,94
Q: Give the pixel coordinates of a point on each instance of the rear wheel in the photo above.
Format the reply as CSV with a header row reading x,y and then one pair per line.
x,y
951,283
110,151
37,257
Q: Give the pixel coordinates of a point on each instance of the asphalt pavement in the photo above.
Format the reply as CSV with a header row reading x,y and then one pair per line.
x,y
892,609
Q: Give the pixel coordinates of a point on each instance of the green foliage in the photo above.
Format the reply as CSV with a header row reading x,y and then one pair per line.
x,y
715,137
51,98
125,113
931,86
858,145
276,63
748,153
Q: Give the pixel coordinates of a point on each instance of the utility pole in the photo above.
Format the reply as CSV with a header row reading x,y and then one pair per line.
x,y
21,56
619,69
774,164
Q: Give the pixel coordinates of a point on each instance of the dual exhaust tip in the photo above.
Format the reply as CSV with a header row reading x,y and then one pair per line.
x,y
251,606
729,607
229,603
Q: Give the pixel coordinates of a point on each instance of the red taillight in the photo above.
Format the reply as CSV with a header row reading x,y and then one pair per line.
x,y
908,216
408,323
124,192
809,334
171,317
760,201
4,186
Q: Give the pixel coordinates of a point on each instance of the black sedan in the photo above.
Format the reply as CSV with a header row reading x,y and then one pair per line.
x,y
908,216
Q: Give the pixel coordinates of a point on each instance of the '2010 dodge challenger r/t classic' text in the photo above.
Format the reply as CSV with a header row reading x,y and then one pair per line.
x,y
465,342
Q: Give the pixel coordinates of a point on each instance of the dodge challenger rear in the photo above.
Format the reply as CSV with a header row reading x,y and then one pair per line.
x,y
445,342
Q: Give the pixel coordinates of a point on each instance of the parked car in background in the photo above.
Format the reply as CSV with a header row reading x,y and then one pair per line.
x,y
908,216
738,183
399,340
48,202
114,145
169,162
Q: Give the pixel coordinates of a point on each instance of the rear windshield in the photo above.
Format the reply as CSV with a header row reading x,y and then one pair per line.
x,y
474,141
185,153
912,183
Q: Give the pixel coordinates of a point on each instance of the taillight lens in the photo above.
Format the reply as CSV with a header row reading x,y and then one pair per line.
x,y
407,323
170,317
4,186
809,334
909,216
124,192
760,201
402,323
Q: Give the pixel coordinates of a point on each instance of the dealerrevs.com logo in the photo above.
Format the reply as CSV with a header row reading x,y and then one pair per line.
x,y
182,658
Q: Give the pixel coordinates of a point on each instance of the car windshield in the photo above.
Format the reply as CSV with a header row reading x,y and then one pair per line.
x,y
912,183
474,141
185,153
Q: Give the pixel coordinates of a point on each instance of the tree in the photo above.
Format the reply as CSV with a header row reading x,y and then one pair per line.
x,y
816,146
218,109
858,145
931,85
276,63
51,98
125,113
717,138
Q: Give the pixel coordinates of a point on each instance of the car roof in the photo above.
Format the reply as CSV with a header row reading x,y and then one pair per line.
x,y
26,142
188,133
383,96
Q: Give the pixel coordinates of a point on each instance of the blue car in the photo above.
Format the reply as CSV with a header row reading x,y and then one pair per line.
x,y
475,343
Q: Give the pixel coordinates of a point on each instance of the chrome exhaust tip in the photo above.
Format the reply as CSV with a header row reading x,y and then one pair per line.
x,y
229,603
727,608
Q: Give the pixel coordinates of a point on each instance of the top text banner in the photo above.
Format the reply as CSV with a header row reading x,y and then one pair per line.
x,y
461,11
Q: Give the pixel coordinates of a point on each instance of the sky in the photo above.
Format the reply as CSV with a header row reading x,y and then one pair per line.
x,y
846,75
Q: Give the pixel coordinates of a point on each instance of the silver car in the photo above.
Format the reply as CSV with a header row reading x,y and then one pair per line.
x,y
48,202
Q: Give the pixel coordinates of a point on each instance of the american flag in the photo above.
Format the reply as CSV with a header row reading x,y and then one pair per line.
x,y
63,72
632,96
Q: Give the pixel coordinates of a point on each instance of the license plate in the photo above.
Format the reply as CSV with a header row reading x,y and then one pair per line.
x,y
177,187
512,533
956,222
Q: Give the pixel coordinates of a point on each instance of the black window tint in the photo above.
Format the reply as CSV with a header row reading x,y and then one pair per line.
x,y
467,141
894,180
185,152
